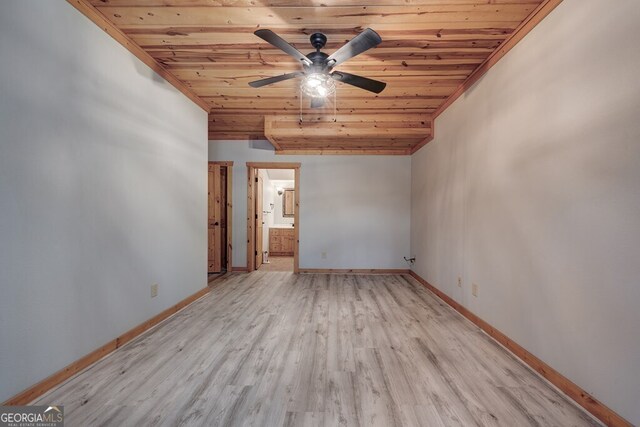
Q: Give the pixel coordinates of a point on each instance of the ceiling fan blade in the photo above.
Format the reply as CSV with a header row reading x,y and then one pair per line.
x,y
360,43
359,81
317,102
277,41
276,79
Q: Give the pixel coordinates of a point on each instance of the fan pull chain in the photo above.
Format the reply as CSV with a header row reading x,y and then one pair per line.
x,y
300,88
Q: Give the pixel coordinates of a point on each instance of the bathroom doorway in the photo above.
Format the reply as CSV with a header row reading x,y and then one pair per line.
x,y
273,219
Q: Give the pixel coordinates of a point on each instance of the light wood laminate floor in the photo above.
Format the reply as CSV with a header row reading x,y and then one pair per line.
x,y
274,349
278,263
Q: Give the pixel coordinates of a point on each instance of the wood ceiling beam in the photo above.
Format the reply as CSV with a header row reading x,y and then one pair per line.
x,y
347,145
343,152
268,132
235,136
390,134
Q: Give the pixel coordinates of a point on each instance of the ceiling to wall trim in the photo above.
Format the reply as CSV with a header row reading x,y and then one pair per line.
x,y
523,29
94,15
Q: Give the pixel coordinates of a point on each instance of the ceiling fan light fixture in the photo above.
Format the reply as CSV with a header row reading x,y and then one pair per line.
x,y
318,85
322,91
318,75
313,81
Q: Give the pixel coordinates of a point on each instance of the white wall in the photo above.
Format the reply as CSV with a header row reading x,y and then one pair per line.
x,y
354,208
531,189
102,191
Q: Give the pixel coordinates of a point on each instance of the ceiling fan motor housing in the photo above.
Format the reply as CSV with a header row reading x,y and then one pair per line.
x,y
318,40
319,60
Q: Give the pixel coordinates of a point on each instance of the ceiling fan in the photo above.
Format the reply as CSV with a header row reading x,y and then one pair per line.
x,y
318,66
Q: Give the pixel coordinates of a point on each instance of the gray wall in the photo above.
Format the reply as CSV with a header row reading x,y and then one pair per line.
x,y
102,191
354,208
531,190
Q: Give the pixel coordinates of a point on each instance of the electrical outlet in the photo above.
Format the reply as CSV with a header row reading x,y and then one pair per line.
x,y
323,255
154,290
459,281
474,290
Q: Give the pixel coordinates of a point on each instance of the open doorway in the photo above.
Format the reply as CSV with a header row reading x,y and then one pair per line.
x,y
219,218
273,219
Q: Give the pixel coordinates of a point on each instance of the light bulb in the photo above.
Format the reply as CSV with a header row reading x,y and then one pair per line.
x,y
313,82
317,85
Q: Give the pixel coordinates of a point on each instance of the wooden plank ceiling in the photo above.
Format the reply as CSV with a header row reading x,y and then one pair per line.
x,y
429,49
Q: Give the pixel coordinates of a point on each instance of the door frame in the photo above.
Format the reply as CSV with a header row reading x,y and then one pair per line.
x,y
229,207
252,169
259,242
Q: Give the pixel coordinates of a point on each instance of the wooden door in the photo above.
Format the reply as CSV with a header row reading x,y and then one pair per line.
x,y
215,218
259,223
224,229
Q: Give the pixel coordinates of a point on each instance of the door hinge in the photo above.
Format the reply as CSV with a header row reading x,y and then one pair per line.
x,y
256,216
256,179
256,253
